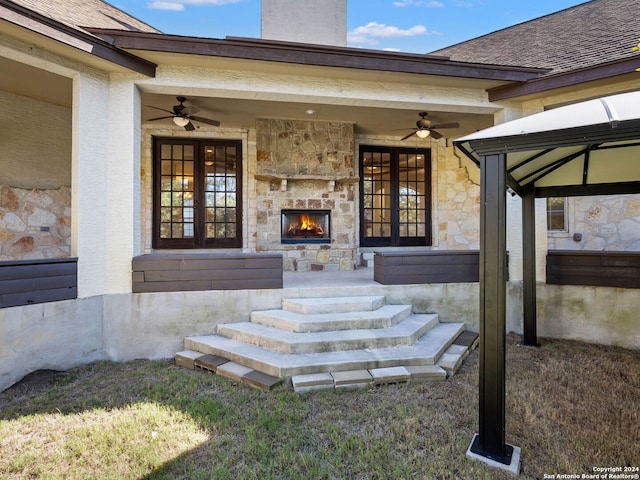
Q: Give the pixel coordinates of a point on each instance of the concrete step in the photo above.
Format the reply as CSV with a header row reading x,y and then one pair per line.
x,y
404,333
425,351
309,306
382,317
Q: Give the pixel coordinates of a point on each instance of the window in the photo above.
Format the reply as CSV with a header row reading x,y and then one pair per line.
x,y
197,194
557,214
395,186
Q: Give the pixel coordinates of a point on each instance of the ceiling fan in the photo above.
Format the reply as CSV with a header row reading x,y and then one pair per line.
x,y
182,115
424,128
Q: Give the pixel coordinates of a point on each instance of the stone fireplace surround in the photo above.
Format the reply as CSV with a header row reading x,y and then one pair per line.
x,y
307,165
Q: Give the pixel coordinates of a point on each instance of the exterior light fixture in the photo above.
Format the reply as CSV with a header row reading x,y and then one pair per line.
x,y
181,121
311,111
423,133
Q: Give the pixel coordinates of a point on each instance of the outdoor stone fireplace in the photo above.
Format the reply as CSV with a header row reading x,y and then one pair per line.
x,y
306,226
306,168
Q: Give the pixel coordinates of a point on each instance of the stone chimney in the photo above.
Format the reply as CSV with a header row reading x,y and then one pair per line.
x,y
321,22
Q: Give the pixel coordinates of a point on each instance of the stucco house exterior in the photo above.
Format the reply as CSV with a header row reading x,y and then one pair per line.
x,y
121,144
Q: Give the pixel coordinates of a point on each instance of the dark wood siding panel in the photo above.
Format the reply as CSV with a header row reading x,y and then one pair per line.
x,y
414,267
15,271
214,274
604,269
41,296
173,272
38,281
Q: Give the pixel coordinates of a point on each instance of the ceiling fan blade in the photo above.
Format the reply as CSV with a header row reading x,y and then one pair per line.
x,y
446,125
189,110
189,127
435,135
407,136
208,121
158,118
399,129
161,109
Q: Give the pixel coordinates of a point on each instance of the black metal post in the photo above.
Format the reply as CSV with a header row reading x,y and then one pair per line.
x,y
490,441
529,266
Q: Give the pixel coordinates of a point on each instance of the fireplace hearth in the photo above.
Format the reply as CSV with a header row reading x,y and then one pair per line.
x,y
306,226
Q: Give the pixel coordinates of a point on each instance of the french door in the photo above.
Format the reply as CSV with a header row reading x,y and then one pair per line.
x,y
197,193
395,196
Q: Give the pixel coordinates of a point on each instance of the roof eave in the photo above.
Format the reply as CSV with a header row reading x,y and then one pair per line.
x,y
565,79
315,55
73,37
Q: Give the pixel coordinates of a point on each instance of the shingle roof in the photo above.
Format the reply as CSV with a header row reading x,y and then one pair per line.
x,y
86,13
583,36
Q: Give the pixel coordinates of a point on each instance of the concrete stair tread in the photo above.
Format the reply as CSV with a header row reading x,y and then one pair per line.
x,y
401,334
321,305
426,351
385,316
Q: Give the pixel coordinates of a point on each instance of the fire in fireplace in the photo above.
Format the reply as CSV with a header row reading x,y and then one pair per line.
x,y
306,226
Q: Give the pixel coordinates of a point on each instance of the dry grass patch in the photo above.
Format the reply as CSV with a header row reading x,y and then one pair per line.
x,y
570,406
118,443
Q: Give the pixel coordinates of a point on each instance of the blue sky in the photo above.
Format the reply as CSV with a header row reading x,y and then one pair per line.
x,y
417,26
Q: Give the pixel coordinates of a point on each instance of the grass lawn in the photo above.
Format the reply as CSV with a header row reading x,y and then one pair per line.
x,y
570,407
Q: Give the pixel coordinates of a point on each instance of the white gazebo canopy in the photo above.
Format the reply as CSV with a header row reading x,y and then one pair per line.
x,y
582,148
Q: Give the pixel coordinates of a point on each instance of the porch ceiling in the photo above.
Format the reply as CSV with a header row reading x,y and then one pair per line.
x,y
32,82
242,113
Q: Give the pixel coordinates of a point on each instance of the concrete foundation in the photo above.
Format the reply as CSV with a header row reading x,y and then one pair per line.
x,y
122,327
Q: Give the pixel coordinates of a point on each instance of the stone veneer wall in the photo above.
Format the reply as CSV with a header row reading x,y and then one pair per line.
x,y
309,155
610,223
35,223
457,202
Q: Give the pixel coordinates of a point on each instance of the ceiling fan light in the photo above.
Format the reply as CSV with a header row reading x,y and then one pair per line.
x,y
423,133
181,121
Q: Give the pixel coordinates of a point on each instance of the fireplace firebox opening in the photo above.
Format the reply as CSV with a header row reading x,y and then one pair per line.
x,y
306,226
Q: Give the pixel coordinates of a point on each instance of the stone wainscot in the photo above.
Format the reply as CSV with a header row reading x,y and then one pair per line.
x,y
35,223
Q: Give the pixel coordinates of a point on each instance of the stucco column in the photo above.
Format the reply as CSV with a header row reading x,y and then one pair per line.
x,y
88,186
105,182
123,178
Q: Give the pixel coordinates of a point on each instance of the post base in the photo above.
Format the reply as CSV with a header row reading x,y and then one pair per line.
x,y
510,462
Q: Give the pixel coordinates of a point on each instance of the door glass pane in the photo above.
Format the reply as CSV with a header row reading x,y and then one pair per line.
x,y
188,152
219,184
411,193
376,186
176,192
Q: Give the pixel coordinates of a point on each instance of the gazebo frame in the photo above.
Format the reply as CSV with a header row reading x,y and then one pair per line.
x,y
589,148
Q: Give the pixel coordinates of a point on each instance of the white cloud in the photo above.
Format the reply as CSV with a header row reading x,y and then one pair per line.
x,y
166,6
418,3
369,33
179,5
